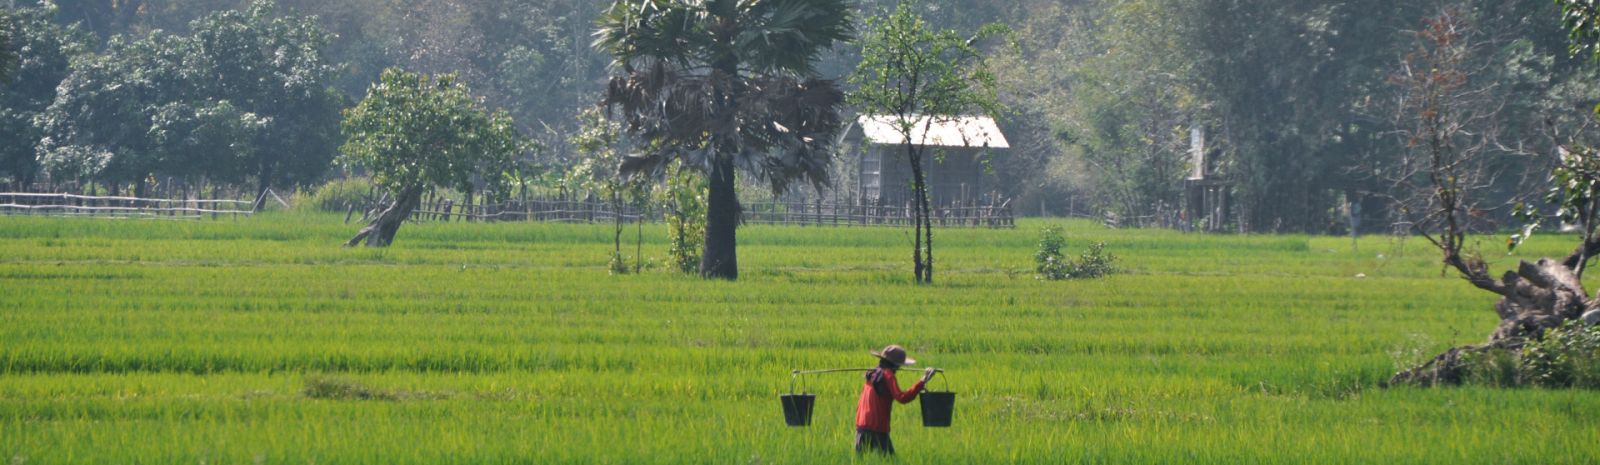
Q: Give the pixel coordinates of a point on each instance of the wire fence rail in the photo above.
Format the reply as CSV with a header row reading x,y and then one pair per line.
x,y
49,204
762,213
550,210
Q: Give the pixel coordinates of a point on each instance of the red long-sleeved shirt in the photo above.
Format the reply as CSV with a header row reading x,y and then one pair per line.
x,y
872,412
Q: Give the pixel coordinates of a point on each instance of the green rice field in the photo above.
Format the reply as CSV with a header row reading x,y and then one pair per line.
x,y
260,340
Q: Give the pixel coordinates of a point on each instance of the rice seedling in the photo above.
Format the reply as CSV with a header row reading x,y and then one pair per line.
x,y
261,341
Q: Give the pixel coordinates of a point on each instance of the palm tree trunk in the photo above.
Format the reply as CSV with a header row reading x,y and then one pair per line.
x,y
719,257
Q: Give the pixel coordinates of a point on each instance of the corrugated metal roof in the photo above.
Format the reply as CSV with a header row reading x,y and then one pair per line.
x,y
964,131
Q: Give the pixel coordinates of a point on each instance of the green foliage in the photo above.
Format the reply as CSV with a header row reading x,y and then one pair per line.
x,y
8,55
1048,261
721,86
1566,357
414,132
1581,20
98,126
920,77
1093,263
245,96
677,56
336,195
909,69
272,65
28,85
684,200
600,148
1051,265
213,140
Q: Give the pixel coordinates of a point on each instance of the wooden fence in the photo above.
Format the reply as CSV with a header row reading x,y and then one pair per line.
x,y
24,203
823,214
771,213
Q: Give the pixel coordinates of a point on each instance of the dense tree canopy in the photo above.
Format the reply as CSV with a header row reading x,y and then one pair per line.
x,y
1101,94
413,133
245,97
29,84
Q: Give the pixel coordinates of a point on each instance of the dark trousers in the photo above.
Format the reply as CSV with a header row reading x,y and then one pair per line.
x,y
873,441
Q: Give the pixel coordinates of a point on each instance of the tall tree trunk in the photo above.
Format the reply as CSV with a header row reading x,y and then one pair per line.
x,y
380,232
638,243
719,257
264,181
617,263
927,230
922,224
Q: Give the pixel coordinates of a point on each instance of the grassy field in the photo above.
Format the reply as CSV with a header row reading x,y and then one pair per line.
x,y
262,341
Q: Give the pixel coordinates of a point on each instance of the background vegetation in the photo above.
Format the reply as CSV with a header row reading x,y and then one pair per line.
x,y
1295,96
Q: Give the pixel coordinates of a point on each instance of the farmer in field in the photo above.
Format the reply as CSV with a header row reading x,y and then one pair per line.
x,y
878,396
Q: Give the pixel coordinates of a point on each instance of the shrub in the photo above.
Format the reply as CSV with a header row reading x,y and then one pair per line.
x,y
337,195
685,202
618,264
1567,357
1048,261
1094,262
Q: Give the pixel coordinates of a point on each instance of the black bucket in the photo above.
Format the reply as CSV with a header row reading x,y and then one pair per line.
x,y
797,408
937,408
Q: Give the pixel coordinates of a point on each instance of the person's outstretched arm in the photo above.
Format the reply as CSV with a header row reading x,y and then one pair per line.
x,y
910,394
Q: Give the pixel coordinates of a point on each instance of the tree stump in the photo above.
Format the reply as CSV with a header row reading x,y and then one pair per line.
x,y
1535,298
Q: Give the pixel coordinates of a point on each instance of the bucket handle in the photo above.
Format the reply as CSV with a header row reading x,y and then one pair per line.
x,y
792,379
936,373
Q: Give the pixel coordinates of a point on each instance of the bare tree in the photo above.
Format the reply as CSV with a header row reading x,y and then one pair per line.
x,y
1448,125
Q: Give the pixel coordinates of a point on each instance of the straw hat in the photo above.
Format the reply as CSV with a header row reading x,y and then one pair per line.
x,y
895,354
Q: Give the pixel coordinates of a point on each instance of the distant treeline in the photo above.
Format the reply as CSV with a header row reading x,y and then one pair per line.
x,y
1296,98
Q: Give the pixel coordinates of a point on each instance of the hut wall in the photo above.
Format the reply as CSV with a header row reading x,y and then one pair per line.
x,y
959,177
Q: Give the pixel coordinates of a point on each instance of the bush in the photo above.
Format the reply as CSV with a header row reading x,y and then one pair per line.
x,y
1567,357
685,212
1094,262
337,195
1048,261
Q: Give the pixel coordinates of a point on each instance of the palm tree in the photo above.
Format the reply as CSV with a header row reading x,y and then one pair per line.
x,y
720,85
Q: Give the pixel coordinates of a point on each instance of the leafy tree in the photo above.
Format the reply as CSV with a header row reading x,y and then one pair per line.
x,y
29,87
1581,19
256,87
599,143
414,133
272,66
1133,100
684,200
725,84
206,140
8,56
921,77
1448,135
97,128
